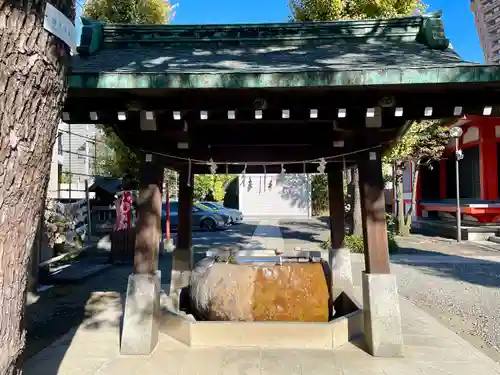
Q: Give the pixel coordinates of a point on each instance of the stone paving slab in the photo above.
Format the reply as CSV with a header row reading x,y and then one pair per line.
x,y
267,236
92,349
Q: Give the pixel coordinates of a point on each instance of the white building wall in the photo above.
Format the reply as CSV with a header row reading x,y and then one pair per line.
x,y
73,153
275,195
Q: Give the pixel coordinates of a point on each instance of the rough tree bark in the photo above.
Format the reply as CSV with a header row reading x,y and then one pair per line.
x,y
32,90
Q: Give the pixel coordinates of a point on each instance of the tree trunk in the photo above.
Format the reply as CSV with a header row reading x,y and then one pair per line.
x,y
402,229
357,225
32,90
409,215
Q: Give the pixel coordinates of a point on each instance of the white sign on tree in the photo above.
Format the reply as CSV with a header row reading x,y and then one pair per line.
x,y
58,24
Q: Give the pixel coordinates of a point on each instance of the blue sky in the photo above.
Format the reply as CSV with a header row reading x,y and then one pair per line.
x,y
459,20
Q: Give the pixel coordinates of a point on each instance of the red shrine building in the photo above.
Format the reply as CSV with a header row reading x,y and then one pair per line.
x,y
478,180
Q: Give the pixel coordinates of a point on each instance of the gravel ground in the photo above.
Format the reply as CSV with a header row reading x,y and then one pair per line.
x,y
477,306
438,276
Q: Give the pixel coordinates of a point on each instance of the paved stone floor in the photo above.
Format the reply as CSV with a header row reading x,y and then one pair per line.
x,y
92,349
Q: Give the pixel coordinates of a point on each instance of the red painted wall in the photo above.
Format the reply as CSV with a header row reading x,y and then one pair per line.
x,y
487,157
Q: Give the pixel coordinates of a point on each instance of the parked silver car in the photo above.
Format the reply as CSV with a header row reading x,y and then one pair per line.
x,y
235,216
203,217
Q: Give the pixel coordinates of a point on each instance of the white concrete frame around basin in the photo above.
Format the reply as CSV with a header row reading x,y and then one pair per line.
x,y
275,335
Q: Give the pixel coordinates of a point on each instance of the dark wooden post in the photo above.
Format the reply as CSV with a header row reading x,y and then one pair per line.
x,y
184,229
339,257
148,228
382,320
373,212
336,205
182,258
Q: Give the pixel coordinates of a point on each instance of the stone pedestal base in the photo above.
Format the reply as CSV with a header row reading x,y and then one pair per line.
x,y
140,326
382,315
340,263
182,263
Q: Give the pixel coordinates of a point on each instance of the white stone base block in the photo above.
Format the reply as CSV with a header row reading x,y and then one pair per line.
x,y
382,315
182,260
340,263
140,325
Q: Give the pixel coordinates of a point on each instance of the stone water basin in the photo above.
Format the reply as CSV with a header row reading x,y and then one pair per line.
x,y
262,302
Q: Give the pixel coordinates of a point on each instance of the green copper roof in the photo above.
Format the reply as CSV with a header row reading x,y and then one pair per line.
x,y
394,51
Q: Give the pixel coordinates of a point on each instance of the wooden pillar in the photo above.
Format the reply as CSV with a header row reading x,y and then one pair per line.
x,y
373,212
442,179
488,166
184,228
381,312
336,205
338,257
418,195
148,228
182,259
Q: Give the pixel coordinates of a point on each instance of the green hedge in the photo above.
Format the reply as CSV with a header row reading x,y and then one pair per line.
x,y
355,243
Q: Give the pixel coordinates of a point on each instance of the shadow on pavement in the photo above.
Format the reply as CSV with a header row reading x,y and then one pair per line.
x,y
96,303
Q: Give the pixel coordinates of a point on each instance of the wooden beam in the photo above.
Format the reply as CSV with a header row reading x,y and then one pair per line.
x,y
373,212
263,134
234,154
148,229
413,99
336,205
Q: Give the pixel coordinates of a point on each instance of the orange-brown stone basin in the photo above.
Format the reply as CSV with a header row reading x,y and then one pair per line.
x,y
291,292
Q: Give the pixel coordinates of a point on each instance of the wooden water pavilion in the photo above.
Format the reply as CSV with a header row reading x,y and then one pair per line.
x,y
255,97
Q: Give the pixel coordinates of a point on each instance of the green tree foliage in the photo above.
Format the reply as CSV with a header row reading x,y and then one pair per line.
x,y
211,187
117,159
319,194
148,12
328,10
422,144
423,141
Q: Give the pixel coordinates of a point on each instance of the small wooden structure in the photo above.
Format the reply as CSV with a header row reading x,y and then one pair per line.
x,y
479,174
258,97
